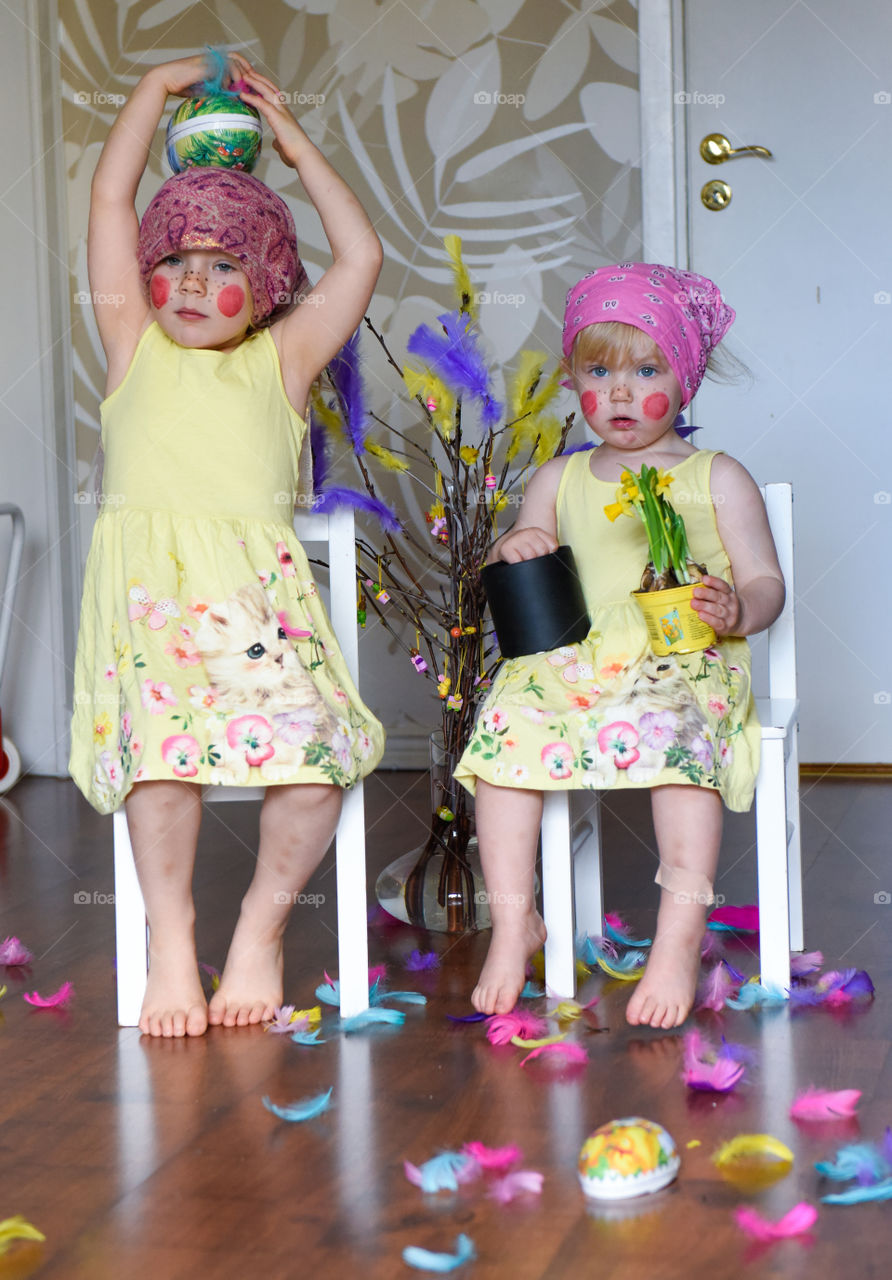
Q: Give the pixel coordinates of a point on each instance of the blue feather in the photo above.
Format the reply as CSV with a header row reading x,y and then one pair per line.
x,y
753,993
858,1160
616,936
307,1037
856,1195
369,1017
213,82
329,992
407,997
303,1110
425,1260
531,991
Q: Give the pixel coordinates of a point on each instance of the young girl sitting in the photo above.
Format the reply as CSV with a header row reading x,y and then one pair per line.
x,y
606,712
204,653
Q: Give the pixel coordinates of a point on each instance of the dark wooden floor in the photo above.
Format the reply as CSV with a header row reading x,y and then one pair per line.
x,y
142,1158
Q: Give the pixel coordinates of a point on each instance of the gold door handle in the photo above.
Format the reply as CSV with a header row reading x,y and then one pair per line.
x,y
716,149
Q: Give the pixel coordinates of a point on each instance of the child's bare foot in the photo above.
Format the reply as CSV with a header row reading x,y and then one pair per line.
x,y
664,996
251,985
503,974
174,1003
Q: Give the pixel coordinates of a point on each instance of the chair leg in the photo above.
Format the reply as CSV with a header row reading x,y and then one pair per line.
x,y
131,938
585,808
353,940
557,896
771,847
794,846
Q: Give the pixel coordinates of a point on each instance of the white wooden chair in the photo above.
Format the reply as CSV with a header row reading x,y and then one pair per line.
x,y
571,851
337,530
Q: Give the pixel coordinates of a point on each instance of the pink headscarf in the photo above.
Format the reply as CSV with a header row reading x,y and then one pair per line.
x,y
228,210
683,313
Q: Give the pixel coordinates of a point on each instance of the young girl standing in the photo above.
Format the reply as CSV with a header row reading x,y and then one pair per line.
x,y
606,712
204,654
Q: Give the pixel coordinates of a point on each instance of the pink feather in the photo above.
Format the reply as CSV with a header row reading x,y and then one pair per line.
x,y
801,1218
823,1104
58,1000
718,986
513,1183
711,948
746,919
412,1172
808,962
377,971
573,1054
706,1068
516,1023
13,952
492,1157
617,922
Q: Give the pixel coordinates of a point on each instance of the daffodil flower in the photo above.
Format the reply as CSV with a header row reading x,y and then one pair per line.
x,y
645,496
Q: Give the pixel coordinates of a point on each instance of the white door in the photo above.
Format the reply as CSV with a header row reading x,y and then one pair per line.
x,y
803,252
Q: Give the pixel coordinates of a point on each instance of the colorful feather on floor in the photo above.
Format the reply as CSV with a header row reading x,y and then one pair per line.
x,y
308,1037
823,1104
626,968
60,999
17,1228
860,1195
371,1018
565,1054
718,987
735,919
425,1260
306,1109
835,989
802,1217
861,1161
514,1184
419,962
213,974
15,954
752,995
618,931
709,1068
503,1027
753,1146
806,963
443,1172
497,1158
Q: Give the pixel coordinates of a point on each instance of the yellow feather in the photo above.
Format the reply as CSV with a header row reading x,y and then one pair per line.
x,y
386,458
464,290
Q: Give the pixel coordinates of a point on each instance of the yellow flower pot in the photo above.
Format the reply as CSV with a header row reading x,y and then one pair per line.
x,y
672,624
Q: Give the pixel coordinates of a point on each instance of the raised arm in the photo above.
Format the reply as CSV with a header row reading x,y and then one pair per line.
x,y
119,301
315,331
759,591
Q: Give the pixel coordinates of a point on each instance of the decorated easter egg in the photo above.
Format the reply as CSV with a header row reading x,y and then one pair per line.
x,y
217,129
627,1157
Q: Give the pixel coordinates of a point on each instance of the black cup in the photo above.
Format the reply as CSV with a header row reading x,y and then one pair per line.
x,y
536,604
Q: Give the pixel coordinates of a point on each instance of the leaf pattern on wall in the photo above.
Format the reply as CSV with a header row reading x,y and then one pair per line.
x,y
538,175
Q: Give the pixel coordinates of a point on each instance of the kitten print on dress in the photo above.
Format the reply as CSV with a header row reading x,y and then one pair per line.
x,y
254,669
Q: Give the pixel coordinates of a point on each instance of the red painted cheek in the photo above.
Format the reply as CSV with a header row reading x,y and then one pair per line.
x,y
655,406
589,402
159,289
230,300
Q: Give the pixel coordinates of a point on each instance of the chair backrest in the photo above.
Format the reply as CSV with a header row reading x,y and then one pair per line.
x,y
338,531
782,633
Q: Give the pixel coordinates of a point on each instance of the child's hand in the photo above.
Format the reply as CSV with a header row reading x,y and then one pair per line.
x,y
523,544
717,603
184,74
290,138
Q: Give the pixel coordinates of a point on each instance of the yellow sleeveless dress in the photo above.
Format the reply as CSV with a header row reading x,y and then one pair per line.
x,y
606,712
204,650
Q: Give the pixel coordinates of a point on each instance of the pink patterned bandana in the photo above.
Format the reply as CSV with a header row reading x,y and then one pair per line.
x,y
209,208
683,313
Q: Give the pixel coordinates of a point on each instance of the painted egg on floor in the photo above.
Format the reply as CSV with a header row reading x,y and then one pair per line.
x,y
629,1157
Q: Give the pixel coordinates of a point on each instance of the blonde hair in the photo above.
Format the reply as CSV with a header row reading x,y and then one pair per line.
x,y
611,342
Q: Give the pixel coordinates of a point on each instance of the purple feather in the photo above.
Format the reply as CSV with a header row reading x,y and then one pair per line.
x,y
418,961
469,1017
319,450
340,497
344,372
455,358
579,448
859,984
683,429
